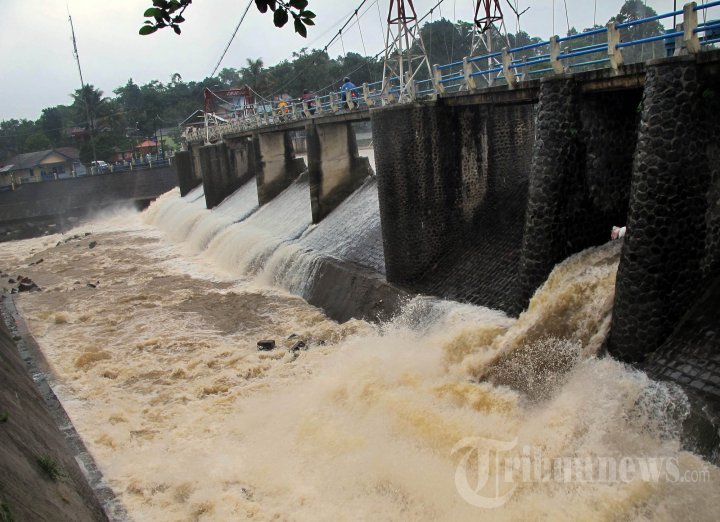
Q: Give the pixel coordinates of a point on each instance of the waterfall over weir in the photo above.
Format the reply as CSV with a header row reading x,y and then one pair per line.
x,y
277,242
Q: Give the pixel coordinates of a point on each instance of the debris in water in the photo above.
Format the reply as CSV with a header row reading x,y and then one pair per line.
x,y
92,244
298,345
91,285
27,285
11,281
266,345
37,262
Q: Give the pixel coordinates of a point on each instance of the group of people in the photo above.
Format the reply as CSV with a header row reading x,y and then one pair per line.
x,y
348,93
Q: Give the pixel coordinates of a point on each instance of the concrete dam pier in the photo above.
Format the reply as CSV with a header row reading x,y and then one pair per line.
x,y
480,194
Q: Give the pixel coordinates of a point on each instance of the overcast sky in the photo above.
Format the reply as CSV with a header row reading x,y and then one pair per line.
x,y
37,68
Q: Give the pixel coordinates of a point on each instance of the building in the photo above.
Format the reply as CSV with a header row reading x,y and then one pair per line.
x,y
42,165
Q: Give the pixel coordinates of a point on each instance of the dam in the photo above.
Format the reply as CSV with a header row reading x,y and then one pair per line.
x,y
454,288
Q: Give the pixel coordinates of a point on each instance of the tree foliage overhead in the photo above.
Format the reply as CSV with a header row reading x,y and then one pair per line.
x,y
169,13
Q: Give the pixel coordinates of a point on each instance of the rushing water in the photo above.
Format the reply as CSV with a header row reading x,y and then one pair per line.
x,y
158,369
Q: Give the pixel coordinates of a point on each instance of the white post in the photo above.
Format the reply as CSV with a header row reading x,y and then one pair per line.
x,y
366,95
554,53
437,80
690,23
467,73
507,71
615,54
410,85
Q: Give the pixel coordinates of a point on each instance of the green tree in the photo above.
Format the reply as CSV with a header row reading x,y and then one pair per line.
x,y
635,10
52,123
37,141
13,134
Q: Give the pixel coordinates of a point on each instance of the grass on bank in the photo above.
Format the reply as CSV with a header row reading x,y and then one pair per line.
x,y
5,513
50,467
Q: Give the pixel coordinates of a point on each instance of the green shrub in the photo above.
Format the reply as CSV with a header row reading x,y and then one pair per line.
x,y
50,467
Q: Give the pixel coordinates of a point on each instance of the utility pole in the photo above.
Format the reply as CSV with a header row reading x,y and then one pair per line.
x,y
83,91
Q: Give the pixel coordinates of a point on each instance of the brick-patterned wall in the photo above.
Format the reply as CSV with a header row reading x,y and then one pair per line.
x,y
496,144
418,184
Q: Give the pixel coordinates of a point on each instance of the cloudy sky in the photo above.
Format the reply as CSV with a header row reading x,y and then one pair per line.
x,y
37,68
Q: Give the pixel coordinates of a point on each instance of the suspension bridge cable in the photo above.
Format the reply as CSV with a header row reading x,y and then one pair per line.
x,y
382,36
231,39
567,18
362,39
595,15
339,33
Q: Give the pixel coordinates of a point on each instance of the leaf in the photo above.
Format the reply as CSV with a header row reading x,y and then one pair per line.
x,y
298,4
307,14
147,29
308,21
176,28
280,17
300,28
261,5
179,19
153,12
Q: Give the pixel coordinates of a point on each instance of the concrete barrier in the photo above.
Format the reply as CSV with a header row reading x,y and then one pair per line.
x,y
275,164
335,169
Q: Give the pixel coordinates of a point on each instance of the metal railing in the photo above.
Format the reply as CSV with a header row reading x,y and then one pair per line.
x,y
510,66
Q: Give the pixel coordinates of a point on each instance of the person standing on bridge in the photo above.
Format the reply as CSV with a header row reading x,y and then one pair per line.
x,y
309,99
351,88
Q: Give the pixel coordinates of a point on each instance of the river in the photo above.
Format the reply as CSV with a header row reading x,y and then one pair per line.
x,y
447,412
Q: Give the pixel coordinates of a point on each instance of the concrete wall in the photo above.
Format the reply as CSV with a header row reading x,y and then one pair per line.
x,y
29,432
183,164
226,166
335,169
84,194
275,164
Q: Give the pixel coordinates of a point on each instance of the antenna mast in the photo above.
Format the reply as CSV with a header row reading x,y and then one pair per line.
x,y
83,92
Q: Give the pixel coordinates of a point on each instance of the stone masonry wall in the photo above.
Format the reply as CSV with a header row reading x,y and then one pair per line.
x,y
84,194
580,179
659,276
